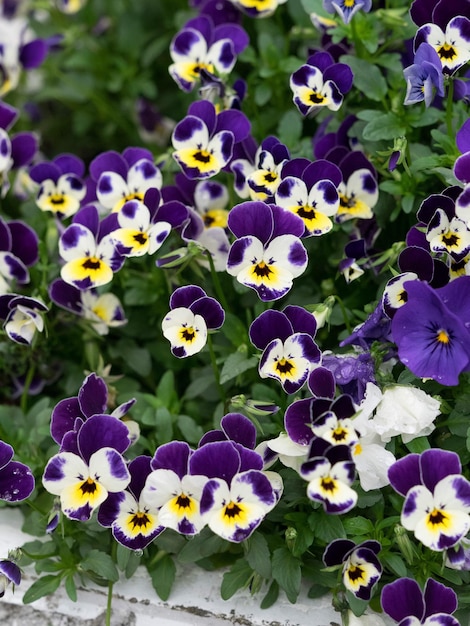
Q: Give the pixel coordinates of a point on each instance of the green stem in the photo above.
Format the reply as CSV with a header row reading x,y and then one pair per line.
x,y
345,315
216,282
215,369
27,384
109,603
449,107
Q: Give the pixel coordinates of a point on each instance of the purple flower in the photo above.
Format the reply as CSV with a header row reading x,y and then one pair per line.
x,y
352,372
347,8
289,351
204,140
405,603
359,190
268,253
16,480
424,76
437,497
431,330
452,44
15,151
9,573
361,567
263,177
23,317
200,45
61,186
18,250
320,83
192,314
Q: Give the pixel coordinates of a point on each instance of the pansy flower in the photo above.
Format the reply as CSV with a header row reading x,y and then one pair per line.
x,y
330,472
23,317
238,495
103,311
268,253
405,602
89,252
361,567
320,83
258,8
137,233
452,44
175,490
431,331
15,151
9,573
193,313
154,127
84,479
437,497
347,8
16,479
19,250
358,192
204,140
310,190
263,179
61,188
120,178
448,235
200,45
133,521
424,77
289,351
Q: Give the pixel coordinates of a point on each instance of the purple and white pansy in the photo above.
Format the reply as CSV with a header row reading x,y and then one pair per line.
x,y
257,8
320,83
360,564
408,605
263,179
359,191
84,478
201,45
452,44
10,573
61,186
204,139
120,178
346,9
19,250
22,317
289,350
268,253
16,480
437,497
89,252
15,151
192,314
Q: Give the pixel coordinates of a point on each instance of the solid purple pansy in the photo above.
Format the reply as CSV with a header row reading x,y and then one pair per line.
x,y
16,479
424,77
268,253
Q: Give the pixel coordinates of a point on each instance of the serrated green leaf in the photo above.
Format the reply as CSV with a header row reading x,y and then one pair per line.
x,y
258,556
237,578
163,574
102,564
287,572
367,77
326,527
191,431
42,587
386,126
236,364
358,526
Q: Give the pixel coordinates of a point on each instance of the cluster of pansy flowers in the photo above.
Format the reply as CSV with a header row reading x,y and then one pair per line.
x,y
333,437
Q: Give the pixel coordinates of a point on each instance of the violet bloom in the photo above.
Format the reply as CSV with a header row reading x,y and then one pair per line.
x,y
347,8
120,178
201,45
452,44
84,478
405,603
16,151
204,139
263,178
424,78
18,250
359,191
61,184
268,253
437,497
320,83
133,521
9,573
431,330
23,317
352,372
289,351
193,313
233,427
361,567
16,480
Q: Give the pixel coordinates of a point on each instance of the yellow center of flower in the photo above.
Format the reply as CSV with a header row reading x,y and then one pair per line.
x,y
139,521
339,434
284,367
316,98
437,518
446,52
188,334
442,336
234,513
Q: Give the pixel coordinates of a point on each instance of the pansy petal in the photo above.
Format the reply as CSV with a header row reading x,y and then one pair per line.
x,y
109,468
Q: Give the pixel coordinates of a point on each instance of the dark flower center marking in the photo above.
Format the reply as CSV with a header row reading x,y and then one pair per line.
x,y
347,203
447,52
188,334
284,366
306,212
403,296
183,502
262,270
328,484
339,433
437,518
232,510
202,156
316,98
89,486
450,240
91,263
141,238
270,177
139,520
208,220
355,572
57,200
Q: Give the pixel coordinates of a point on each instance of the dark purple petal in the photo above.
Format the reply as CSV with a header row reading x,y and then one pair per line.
x,y
110,509
173,456
252,218
16,482
134,154
286,222
302,320
321,383
341,74
8,115
234,121
402,598
336,551
63,417
6,454
218,459
417,260
139,468
436,464
24,242
210,310
205,111
271,324
438,598
298,421
239,428
173,212
405,473
185,296
66,296
462,168
24,147
11,571
33,53
87,216
93,396
110,161
102,431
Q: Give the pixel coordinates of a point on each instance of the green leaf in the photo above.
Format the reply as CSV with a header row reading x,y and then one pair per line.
x,y
395,563
357,605
163,574
166,389
287,572
236,364
234,329
258,555
164,424
102,564
122,556
271,597
263,93
133,564
367,77
191,431
42,587
358,526
419,444
326,527
237,578
289,129
386,126
71,588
